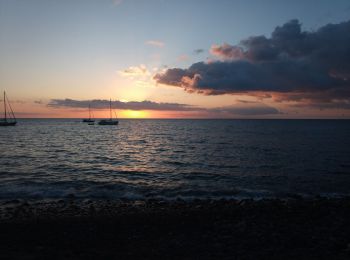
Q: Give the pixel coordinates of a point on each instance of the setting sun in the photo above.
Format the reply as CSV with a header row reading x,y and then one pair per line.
x,y
134,114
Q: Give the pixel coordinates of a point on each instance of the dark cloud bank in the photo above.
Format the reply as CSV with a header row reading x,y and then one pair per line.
x,y
132,105
243,108
311,68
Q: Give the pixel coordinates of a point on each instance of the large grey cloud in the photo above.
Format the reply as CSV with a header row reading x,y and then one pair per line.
x,y
290,61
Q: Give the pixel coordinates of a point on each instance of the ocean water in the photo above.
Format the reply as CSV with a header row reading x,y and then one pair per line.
x,y
170,159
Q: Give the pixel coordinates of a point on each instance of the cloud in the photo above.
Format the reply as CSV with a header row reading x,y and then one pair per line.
x,y
227,52
248,108
291,62
39,102
198,51
242,108
131,105
333,99
323,105
155,43
135,71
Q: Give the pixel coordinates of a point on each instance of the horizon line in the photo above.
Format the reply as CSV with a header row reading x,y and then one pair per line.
x,y
195,118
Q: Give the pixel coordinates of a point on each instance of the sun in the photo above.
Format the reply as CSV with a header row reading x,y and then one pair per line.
x,y
135,114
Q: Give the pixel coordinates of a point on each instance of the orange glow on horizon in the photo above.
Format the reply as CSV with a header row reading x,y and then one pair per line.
x,y
134,114
29,109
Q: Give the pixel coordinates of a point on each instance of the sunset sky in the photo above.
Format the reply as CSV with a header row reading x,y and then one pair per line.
x,y
176,59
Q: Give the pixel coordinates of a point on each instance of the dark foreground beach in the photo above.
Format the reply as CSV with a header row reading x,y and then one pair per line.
x,y
99,229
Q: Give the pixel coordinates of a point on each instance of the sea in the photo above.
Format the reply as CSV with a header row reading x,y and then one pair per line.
x,y
175,159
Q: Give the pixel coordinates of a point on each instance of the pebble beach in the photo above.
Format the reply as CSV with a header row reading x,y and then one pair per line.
x,y
69,228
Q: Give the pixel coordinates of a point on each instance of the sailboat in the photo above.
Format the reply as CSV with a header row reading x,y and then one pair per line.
x,y
109,121
8,120
89,120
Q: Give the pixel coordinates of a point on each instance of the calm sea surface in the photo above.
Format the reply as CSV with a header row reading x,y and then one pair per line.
x,y
175,159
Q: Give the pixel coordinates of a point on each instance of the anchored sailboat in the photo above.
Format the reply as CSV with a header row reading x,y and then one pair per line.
x,y
109,121
90,120
9,117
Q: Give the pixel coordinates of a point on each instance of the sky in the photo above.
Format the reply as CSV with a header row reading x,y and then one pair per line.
x,y
176,59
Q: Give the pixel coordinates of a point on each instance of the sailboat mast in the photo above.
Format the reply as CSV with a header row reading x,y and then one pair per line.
x,y
5,105
89,112
110,108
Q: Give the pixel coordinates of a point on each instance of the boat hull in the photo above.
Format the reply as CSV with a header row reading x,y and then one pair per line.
x,y
108,122
8,123
88,121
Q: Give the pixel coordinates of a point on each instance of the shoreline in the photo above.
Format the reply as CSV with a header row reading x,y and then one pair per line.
x,y
200,229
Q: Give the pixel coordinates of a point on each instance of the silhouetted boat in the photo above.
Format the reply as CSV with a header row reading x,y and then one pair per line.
x,y
109,121
89,120
8,120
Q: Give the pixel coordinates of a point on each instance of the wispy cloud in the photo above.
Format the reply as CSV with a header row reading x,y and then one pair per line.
x,y
198,51
155,43
135,71
39,102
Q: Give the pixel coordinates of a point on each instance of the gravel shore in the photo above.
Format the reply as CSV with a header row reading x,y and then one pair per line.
x,y
201,229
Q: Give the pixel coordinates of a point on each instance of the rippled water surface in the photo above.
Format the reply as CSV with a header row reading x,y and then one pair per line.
x,y
175,159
